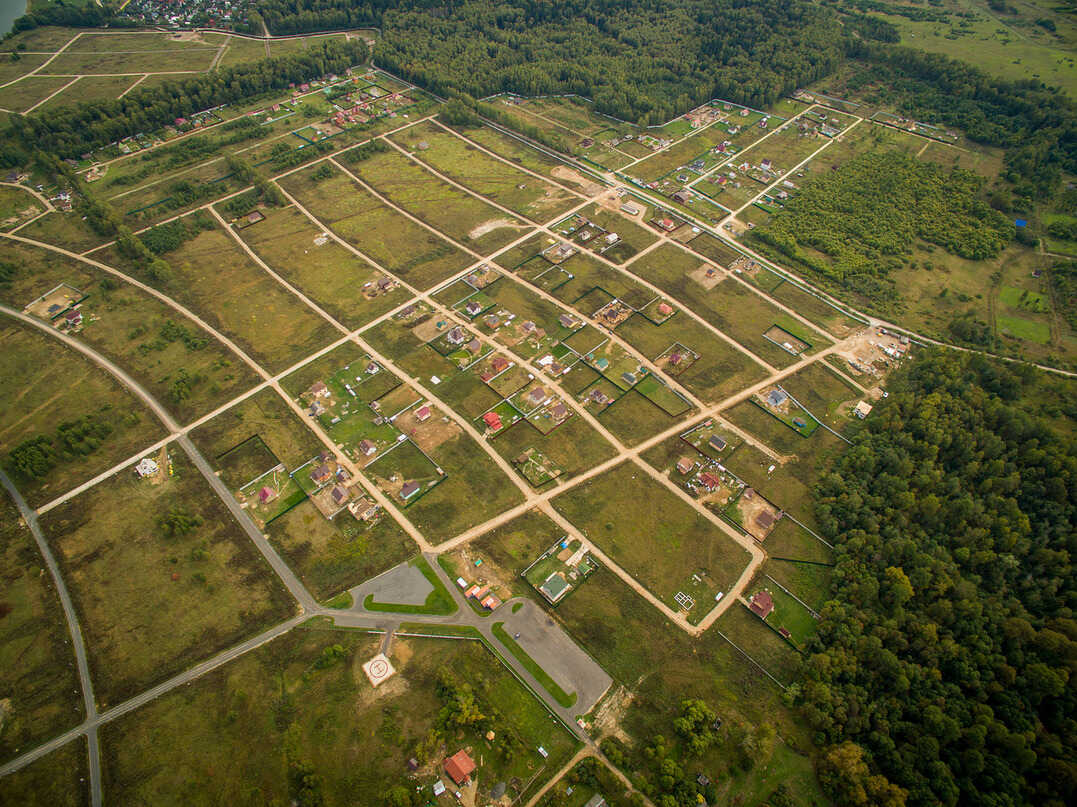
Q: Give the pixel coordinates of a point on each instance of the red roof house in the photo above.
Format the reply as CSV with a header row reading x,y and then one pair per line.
x,y
459,767
762,604
493,420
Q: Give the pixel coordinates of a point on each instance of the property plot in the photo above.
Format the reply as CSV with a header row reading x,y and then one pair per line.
x,y
779,403
609,233
465,163
444,207
89,89
660,540
161,575
349,288
662,396
35,652
187,60
632,418
761,644
785,340
829,397
12,69
561,569
388,238
781,611
213,276
28,92
59,777
335,696
64,420
753,513
616,364
713,439
700,146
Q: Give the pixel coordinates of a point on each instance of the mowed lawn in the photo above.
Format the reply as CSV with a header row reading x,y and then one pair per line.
x,y
183,366
36,659
47,386
153,600
327,272
456,158
467,220
303,699
218,281
393,241
659,539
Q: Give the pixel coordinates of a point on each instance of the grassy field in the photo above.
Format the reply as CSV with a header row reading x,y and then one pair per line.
x,y
73,61
766,647
535,199
89,89
662,669
336,279
49,386
153,598
390,239
213,276
658,539
36,669
61,777
728,306
574,446
298,700
12,69
28,92
825,394
462,217
680,153
632,418
181,365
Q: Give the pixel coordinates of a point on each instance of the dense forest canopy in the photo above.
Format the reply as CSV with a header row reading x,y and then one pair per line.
x,y
856,224
640,60
947,657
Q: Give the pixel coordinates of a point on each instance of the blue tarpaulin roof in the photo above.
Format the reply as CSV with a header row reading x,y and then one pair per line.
x,y
1021,222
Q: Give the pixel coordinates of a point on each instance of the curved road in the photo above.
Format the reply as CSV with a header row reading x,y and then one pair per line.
x,y
90,704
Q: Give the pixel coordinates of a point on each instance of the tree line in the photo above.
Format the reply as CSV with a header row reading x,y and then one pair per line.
x,y
943,668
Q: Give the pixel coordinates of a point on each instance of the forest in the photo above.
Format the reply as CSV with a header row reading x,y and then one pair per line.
x,y
857,224
640,60
943,669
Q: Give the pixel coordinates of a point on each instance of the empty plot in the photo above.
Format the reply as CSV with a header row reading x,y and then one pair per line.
x,y
30,91
141,41
656,537
162,576
464,162
346,286
448,209
393,241
64,420
215,278
11,70
89,89
182,365
185,60
760,642
284,47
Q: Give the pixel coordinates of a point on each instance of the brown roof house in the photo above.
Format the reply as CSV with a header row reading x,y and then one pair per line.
x,y
761,604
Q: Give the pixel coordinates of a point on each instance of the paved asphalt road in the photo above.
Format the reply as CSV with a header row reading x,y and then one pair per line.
x,y
73,627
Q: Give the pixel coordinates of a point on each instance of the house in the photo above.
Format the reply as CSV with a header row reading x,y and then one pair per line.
x,y
320,475
554,587
459,767
675,359
385,283
367,448
146,467
862,410
595,801
765,520
761,604
340,495
266,495
490,602
423,413
682,196
363,509
491,321
776,397
372,368
668,224
716,442
473,308
559,410
567,320
439,787
73,319
474,346
631,209
455,336
685,465
408,490
628,378
664,309
710,481
528,326
499,363
537,395
492,420
612,238
319,390
598,396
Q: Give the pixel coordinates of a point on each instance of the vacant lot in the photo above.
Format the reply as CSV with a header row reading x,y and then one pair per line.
x,y
387,237
89,89
88,421
184,60
657,538
303,700
332,276
448,209
61,777
162,576
37,673
216,279
465,163
764,645
30,91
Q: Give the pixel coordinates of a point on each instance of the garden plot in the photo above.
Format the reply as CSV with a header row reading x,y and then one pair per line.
x,y
524,194
780,404
561,569
390,239
263,486
782,612
462,217
349,288
712,439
